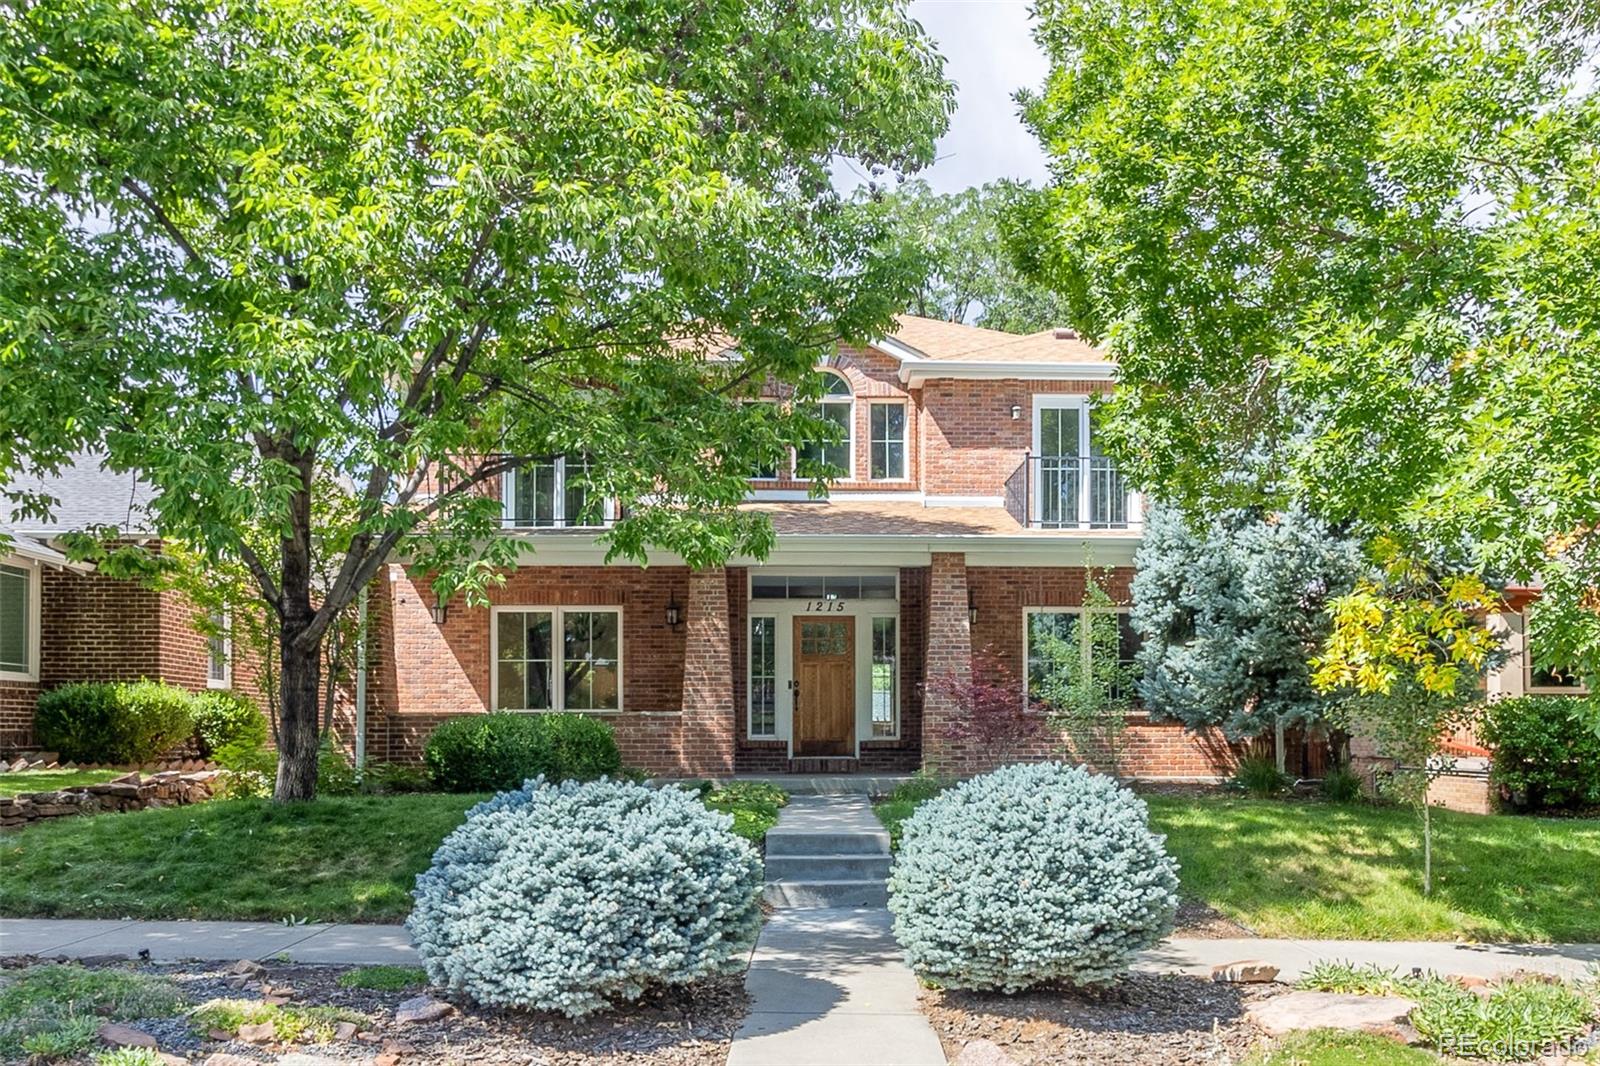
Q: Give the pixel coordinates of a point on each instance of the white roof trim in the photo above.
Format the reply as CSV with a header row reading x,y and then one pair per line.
x,y
900,350
915,374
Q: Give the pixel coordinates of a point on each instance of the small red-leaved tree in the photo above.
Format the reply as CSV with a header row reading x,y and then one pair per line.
x,y
993,711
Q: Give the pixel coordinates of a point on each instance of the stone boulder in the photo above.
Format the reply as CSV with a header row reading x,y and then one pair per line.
x,y
1299,1011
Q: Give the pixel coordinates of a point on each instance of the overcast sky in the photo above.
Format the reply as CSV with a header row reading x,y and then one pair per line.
x,y
989,54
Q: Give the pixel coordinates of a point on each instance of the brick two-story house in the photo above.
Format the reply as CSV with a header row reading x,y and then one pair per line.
x,y
973,500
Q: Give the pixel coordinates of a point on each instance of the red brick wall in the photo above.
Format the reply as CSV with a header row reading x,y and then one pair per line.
x,y
428,673
971,446
17,701
1001,595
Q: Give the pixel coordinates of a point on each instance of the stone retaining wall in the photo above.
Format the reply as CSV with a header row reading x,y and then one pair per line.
x,y
131,792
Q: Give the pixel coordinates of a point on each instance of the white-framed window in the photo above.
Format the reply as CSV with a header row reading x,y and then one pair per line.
x,y
837,405
1051,632
763,677
219,650
19,621
553,493
1548,680
556,658
885,677
886,441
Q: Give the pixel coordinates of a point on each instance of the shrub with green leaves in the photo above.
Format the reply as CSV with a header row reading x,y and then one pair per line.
x,y
224,720
499,751
1341,785
1259,775
54,1011
572,897
1546,750
113,722
1029,874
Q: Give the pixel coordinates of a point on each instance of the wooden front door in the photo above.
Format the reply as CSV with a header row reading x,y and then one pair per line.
x,y
825,686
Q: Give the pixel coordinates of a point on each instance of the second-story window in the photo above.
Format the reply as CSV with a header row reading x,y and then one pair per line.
x,y
553,493
838,405
887,440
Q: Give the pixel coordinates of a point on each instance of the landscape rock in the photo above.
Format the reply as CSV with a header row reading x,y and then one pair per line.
x,y
247,968
984,1053
344,1031
1299,1011
1468,980
114,1035
422,1009
1245,972
260,1033
219,1034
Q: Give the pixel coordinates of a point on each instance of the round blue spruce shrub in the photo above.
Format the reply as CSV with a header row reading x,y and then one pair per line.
x,y
1030,874
572,897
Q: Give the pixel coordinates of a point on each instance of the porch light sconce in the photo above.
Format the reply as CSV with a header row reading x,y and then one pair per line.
x,y
972,612
441,611
1016,412
674,613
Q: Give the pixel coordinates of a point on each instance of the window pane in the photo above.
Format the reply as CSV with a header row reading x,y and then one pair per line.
x,y
885,655
805,588
589,667
533,498
576,492
833,384
841,588
768,587
763,677
522,680
877,588
887,439
1058,431
834,453
14,619
217,648
1052,640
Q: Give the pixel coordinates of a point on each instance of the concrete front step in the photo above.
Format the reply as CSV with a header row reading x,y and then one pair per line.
x,y
797,842
842,893
827,867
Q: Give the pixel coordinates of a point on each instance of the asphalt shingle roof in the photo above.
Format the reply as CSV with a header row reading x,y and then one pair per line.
x,y
86,494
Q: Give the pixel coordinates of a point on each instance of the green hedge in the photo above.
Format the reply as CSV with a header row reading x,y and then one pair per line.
x,y
226,719
113,722
499,751
1546,751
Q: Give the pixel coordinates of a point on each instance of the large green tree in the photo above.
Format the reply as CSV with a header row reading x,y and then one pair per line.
x,y
1350,246
412,245
967,273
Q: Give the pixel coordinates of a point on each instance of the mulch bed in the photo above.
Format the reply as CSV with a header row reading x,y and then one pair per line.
x,y
1146,1020
687,1027
1200,921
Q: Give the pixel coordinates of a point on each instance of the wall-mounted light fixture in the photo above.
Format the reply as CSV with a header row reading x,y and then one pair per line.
x,y
1016,412
972,611
441,611
674,613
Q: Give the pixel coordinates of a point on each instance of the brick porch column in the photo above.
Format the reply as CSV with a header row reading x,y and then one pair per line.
x,y
949,655
708,712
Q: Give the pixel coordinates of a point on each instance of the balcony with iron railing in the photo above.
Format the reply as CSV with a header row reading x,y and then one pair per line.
x,y
1082,492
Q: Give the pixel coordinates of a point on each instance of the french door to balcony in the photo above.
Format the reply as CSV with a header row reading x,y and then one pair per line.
x,y
1074,486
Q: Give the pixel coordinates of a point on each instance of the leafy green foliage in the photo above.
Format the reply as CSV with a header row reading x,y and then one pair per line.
x,y
1340,784
1546,750
335,774
128,1056
754,806
56,1010
499,751
384,978
255,251
908,795
1260,777
226,719
1326,1047
1515,1021
968,274
1073,883
1343,251
582,895
393,778
1085,687
113,722
290,1021
1229,615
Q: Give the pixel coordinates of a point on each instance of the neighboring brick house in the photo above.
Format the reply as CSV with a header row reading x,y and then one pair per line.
x,y
975,497
61,621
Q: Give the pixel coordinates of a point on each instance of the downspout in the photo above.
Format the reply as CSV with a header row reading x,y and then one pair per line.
x,y
361,686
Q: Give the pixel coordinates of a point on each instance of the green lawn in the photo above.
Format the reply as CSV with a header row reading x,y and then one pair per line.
x,y
1334,871
20,781
1326,1048
347,859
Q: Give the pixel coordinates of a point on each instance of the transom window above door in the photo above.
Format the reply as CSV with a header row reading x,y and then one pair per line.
x,y
557,659
817,587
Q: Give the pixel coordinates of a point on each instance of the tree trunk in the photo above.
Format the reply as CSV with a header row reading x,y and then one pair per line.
x,y
298,735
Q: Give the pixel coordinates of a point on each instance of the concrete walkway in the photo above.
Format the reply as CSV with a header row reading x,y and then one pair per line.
x,y
866,930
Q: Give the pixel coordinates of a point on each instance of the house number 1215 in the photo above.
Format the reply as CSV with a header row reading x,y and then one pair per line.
x,y
824,606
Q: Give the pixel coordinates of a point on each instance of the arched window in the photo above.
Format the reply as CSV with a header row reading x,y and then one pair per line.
x,y
837,405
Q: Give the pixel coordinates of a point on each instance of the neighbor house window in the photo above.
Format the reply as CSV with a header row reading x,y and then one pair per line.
x,y
1054,636
885,677
763,677
887,440
16,621
1560,680
554,492
837,406
558,659
219,651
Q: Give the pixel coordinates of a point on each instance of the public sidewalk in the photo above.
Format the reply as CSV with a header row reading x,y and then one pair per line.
x,y
373,944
